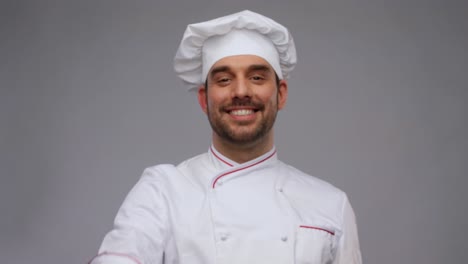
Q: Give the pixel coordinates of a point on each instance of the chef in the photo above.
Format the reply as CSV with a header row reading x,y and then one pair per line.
x,y
236,203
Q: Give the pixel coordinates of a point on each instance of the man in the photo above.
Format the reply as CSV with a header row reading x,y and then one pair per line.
x,y
237,203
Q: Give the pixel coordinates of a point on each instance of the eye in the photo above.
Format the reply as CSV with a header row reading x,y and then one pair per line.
x,y
223,80
257,78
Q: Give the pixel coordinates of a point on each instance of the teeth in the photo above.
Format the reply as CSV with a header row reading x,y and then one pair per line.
x,y
242,112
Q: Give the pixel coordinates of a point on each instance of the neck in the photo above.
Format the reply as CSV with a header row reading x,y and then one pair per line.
x,y
241,153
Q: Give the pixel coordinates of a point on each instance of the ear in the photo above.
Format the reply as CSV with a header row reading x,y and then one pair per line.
x,y
202,98
282,94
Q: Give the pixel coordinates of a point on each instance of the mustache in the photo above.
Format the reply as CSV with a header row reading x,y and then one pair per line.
x,y
236,102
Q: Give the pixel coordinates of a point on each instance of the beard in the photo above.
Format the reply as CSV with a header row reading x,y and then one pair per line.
x,y
240,133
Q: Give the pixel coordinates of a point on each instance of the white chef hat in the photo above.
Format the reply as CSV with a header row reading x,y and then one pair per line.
x,y
243,33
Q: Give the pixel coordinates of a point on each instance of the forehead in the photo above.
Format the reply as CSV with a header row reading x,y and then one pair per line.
x,y
240,62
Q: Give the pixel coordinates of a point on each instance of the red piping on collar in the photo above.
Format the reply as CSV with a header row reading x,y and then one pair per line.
x,y
105,253
229,172
318,228
220,158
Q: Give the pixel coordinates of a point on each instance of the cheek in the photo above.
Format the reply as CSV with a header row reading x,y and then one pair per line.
x,y
268,94
212,105
215,99
271,99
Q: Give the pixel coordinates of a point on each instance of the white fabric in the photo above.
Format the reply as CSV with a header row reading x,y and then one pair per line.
x,y
239,42
188,62
210,210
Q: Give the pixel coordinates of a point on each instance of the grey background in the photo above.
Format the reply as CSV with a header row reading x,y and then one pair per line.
x,y
377,107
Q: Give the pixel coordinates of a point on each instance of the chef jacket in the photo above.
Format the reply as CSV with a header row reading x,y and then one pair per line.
x,y
212,210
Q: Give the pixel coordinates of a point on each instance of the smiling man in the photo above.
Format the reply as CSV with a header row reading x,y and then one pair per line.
x,y
243,98
237,203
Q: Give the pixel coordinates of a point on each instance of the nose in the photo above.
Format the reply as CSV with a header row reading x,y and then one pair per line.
x,y
242,89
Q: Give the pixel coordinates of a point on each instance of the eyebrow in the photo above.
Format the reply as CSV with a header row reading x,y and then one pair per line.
x,y
259,67
254,67
218,69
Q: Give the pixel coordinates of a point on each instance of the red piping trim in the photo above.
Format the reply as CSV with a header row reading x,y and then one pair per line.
x,y
229,172
318,228
115,254
220,158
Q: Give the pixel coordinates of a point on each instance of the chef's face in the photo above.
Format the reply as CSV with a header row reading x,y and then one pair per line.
x,y
242,98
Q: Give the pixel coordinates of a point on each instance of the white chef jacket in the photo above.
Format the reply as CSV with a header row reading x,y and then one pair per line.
x,y
212,210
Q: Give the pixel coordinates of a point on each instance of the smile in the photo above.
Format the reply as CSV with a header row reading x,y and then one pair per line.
x,y
242,112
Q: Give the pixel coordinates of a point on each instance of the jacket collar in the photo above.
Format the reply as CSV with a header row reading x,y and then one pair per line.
x,y
226,166
222,162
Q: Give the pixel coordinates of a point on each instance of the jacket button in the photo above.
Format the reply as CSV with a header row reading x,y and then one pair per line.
x,y
284,238
224,237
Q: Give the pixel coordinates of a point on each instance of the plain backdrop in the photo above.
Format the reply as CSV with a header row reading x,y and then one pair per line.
x,y
377,106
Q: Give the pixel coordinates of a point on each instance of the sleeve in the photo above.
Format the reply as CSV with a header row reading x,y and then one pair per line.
x,y
348,251
140,227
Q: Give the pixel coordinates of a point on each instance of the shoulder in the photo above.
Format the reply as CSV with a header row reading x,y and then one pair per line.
x,y
193,162
174,178
158,172
152,180
312,197
162,171
308,184
196,168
